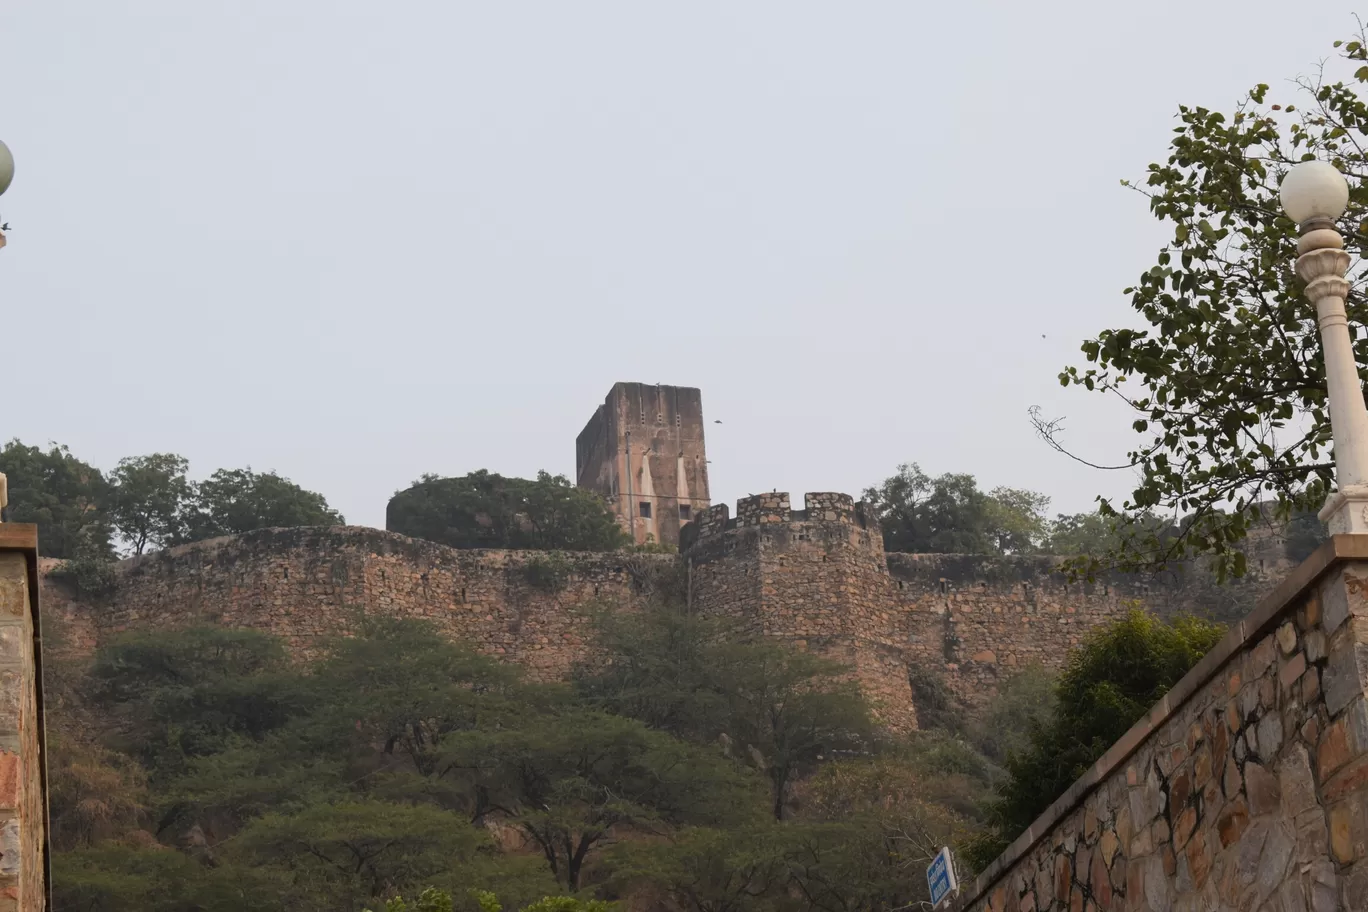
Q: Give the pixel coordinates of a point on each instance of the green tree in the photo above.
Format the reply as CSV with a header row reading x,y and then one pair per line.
x,y
787,710
403,686
705,869
1016,519
66,497
1223,369
343,856
663,670
115,877
484,510
950,515
231,502
147,498
186,693
573,781
1108,683
1024,701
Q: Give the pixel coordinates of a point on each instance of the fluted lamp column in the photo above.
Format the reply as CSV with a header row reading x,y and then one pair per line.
x,y
1313,195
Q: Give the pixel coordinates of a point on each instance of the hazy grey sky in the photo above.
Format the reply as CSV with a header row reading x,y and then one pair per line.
x,y
358,242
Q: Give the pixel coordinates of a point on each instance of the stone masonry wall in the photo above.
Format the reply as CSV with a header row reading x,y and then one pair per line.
x,y
1245,788
23,799
814,578
817,578
309,584
975,620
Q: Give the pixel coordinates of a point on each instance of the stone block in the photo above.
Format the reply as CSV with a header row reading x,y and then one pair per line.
x,y
1345,674
1295,784
1107,847
1334,601
1269,734
1263,789
1291,670
1333,750
10,847
1233,822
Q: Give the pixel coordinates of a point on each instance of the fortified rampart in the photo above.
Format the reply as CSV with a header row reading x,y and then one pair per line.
x,y
308,584
814,578
817,578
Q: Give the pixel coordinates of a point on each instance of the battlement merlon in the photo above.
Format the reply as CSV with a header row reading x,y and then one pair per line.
x,y
772,508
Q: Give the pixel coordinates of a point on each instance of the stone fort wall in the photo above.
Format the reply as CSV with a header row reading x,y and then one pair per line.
x,y
308,584
817,578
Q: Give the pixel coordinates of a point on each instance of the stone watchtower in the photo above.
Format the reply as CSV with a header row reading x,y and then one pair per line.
x,y
815,578
643,450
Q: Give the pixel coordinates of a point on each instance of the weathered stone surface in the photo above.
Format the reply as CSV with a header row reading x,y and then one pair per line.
x,y
1287,638
1295,784
1265,795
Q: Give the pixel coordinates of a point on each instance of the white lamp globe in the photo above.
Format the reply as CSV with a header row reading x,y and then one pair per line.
x,y
6,167
1313,189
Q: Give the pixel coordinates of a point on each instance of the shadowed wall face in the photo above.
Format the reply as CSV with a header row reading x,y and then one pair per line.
x,y
643,450
23,803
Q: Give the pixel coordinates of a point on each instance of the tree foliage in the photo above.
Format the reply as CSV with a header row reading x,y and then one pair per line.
x,y
1224,374
1108,683
950,515
485,510
148,497
233,501
67,498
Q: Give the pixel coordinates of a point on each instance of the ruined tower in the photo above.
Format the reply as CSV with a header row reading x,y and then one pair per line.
x,y
816,579
643,450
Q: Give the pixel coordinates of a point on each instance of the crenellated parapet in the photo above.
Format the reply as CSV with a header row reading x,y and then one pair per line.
x,y
773,510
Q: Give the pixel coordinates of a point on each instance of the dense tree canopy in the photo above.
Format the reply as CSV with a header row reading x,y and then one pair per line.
x,y
221,776
485,510
67,498
232,501
949,514
148,501
1223,370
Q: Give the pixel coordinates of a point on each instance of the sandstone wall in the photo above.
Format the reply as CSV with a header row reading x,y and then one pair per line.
x,y
817,578
975,620
1245,788
23,781
308,584
814,578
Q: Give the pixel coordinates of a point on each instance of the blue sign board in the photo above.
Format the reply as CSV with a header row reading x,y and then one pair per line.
x,y
940,877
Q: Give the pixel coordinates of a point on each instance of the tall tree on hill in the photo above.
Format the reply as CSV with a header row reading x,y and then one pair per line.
x,y
485,510
66,497
148,497
950,515
233,501
1225,376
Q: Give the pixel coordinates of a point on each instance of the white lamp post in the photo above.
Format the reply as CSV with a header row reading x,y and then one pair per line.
x,y
1313,195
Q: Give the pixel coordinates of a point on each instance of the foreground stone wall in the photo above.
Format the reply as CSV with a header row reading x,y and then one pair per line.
x,y
1245,788
23,783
